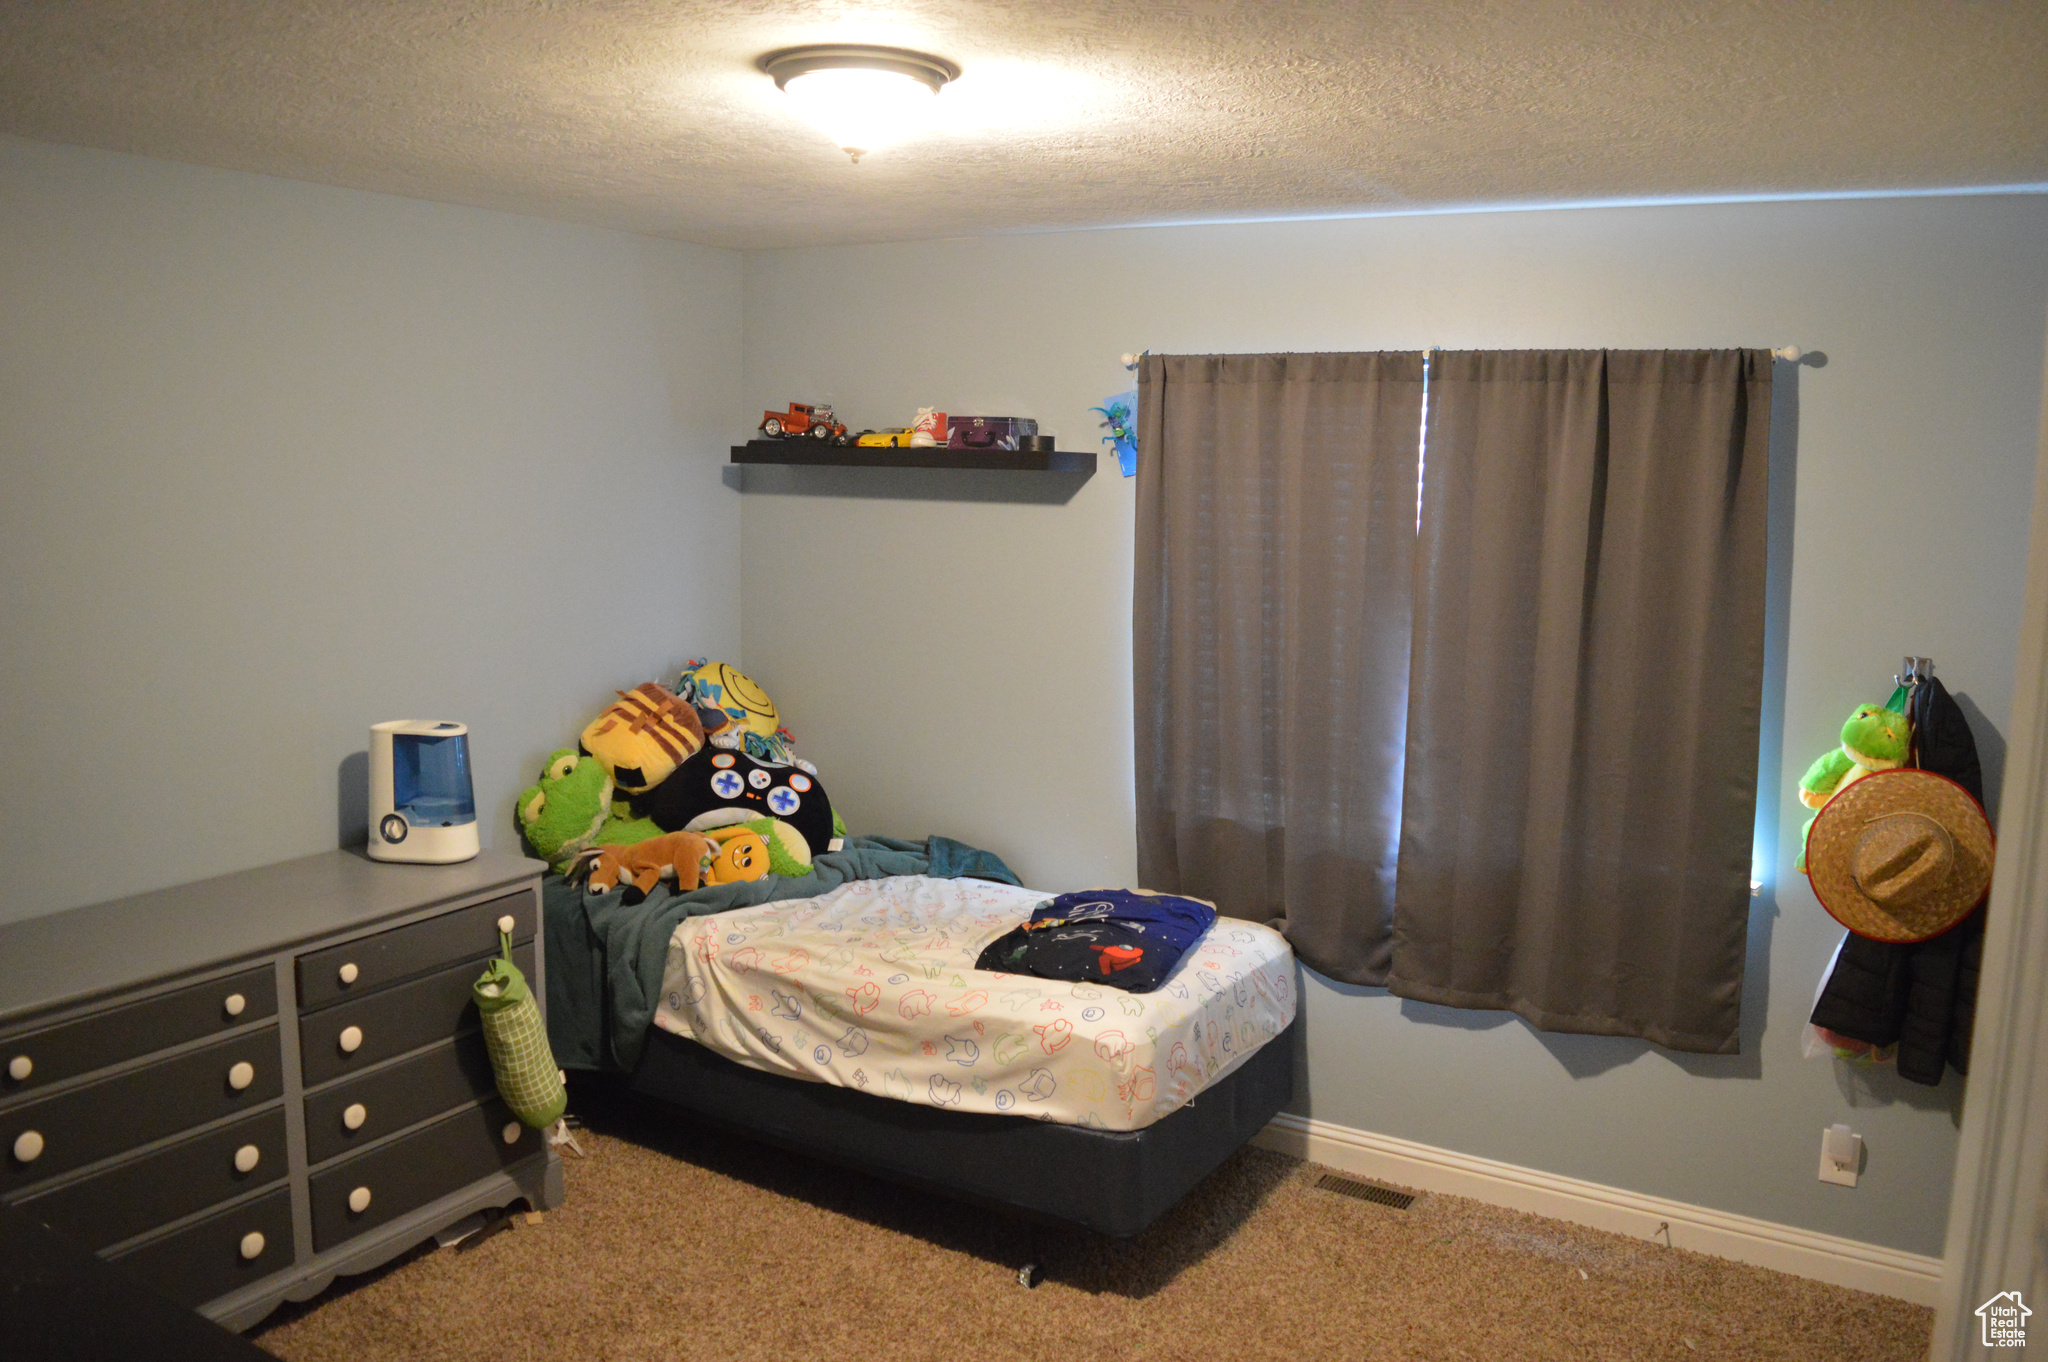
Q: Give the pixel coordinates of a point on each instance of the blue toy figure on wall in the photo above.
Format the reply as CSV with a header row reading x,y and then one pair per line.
x,y
1119,415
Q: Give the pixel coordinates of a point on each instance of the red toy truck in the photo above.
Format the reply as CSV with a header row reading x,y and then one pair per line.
x,y
803,419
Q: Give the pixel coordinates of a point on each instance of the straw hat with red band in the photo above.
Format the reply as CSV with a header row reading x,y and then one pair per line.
x,y
1900,855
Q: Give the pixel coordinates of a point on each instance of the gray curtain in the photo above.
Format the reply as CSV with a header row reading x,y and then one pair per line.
x,y
1585,690
1275,541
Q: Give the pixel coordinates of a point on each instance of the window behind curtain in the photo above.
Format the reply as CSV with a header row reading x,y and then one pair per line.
x,y
1276,529
1580,791
1562,793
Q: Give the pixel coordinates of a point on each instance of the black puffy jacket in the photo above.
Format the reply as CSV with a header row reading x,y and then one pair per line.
x,y
1922,995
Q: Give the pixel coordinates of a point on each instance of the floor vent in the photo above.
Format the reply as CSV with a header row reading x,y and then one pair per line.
x,y
1367,1191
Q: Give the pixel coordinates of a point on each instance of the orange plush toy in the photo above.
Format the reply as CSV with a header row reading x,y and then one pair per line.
x,y
677,856
742,855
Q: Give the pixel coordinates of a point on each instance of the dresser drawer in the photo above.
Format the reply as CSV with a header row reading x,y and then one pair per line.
x,y
365,965
174,1182
403,1017
393,1098
67,1129
220,1253
407,1174
30,1058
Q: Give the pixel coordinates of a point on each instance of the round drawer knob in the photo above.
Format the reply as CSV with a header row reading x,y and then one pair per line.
x,y
359,1200
252,1244
354,1117
241,1075
351,1039
512,1131
506,924
20,1067
347,973
233,1004
28,1146
247,1157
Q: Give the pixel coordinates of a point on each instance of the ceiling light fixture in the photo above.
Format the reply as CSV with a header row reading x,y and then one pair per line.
x,y
861,97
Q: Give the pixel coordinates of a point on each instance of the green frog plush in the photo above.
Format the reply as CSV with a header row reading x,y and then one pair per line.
x,y
1874,739
571,810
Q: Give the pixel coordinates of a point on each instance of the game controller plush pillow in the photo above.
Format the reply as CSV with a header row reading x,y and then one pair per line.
x,y
715,788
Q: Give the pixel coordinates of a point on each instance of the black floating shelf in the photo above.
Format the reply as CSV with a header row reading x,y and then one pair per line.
x,y
811,454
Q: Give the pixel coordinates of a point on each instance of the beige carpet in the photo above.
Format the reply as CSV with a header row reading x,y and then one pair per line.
x,y
680,1244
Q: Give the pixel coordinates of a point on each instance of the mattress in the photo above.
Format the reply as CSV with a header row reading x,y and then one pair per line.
x,y
872,986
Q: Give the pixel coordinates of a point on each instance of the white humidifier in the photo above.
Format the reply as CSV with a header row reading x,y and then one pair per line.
x,y
422,807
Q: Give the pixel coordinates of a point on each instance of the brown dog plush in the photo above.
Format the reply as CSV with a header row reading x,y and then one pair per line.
x,y
676,856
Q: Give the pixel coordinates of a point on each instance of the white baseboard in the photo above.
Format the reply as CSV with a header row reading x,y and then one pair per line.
x,y
1823,1257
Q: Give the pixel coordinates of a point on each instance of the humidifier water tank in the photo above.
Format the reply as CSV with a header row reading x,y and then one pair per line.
x,y
422,807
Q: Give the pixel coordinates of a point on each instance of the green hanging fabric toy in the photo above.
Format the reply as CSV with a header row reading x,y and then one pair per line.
x,y
1875,738
517,1038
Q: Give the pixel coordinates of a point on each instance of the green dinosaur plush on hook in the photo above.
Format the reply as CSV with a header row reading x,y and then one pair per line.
x,y
1873,739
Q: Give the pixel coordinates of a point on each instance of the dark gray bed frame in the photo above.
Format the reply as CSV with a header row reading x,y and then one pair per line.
x,y
1115,1182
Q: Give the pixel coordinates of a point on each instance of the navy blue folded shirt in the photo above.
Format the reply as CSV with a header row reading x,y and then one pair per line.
x,y
1120,937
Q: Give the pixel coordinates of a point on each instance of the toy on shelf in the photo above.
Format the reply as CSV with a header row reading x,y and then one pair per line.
x,y
929,429
894,437
989,432
804,420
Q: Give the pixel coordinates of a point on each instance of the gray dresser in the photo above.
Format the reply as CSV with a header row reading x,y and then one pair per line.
x,y
244,1087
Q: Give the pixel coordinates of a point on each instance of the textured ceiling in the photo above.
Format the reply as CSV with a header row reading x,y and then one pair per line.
x,y
652,117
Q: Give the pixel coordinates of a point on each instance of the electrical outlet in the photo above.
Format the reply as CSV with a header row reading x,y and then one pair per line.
x,y
1841,1151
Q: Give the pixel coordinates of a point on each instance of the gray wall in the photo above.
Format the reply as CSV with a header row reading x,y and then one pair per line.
x,y
953,650
281,461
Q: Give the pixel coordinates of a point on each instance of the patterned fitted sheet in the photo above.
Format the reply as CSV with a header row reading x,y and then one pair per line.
x,y
873,986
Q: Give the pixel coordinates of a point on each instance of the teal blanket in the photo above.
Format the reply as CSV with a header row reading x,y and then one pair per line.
x,y
605,956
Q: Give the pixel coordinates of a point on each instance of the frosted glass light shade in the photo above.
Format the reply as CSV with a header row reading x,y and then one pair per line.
x,y
861,109
862,97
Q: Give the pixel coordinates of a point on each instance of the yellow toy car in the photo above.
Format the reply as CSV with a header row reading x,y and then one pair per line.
x,y
897,437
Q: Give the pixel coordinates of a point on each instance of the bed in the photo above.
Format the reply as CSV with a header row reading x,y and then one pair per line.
x,y
852,1026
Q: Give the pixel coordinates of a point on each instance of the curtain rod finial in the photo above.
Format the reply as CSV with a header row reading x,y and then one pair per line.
x,y
1789,353
1130,359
